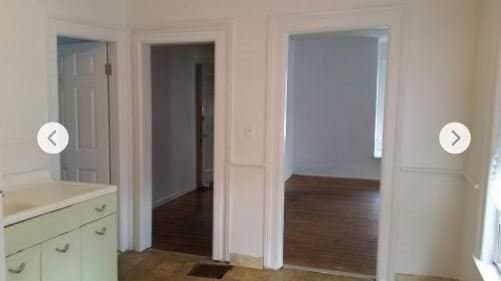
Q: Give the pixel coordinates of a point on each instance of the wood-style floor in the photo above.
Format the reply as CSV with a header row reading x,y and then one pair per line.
x,y
332,223
156,265
185,224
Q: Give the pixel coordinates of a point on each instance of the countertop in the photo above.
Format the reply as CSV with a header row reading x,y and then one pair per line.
x,y
29,201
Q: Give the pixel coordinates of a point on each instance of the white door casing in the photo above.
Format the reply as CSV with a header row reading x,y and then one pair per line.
x,y
207,92
218,32
280,29
84,111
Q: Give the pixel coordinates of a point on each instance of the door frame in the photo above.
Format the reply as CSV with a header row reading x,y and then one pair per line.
x,y
217,32
279,32
199,125
120,114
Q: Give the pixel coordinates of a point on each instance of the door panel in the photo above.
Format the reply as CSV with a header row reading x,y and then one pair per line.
x,y
84,111
87,175
85,115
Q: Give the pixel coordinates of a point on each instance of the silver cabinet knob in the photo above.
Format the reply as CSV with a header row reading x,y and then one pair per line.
x,y
101,209
63,250
101,232
19,270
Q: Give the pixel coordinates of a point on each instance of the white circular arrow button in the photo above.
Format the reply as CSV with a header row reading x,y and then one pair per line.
x,y
53,138
455,138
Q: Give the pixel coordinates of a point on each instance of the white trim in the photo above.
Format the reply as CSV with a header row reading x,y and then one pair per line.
x,y
195,32
120,39
431,170
170,197
331,272
487,271
280,28
382,63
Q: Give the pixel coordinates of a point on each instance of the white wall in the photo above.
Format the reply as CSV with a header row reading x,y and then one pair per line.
x,y
24,70
24,87
437,69
173,82
333,86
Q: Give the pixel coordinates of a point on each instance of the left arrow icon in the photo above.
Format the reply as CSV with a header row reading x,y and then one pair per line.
x,y
53,138
50,137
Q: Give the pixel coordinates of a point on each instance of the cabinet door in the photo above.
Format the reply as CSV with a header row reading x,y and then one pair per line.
x,y
99,250
61,258
24,266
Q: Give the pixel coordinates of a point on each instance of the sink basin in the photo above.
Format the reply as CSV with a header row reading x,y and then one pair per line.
x,y
12,206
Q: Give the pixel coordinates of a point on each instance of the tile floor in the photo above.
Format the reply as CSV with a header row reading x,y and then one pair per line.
x,y
156,265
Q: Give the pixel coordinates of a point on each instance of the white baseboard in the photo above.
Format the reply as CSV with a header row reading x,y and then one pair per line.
x,y
331,272
159,202
317,173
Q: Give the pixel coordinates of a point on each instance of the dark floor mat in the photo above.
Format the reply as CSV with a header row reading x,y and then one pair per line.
x,y
214,271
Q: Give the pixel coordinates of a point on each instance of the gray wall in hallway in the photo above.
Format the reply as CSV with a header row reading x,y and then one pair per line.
x,y
331,106
173,118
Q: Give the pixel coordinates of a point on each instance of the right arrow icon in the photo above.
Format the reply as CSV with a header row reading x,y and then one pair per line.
x,y
458,138
455,138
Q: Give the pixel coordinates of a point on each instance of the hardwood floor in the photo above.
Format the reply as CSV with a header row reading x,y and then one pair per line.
x,y
185,224
332,223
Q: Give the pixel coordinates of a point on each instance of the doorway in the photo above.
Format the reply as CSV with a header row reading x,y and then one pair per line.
x,y
84,86
182,108
333,150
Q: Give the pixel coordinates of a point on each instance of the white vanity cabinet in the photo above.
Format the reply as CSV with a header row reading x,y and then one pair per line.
x,y
76,243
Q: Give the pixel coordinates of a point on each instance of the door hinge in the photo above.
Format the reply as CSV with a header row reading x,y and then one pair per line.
x,y
108,69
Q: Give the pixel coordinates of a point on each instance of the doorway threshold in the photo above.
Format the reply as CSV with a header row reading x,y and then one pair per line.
x,y
330,272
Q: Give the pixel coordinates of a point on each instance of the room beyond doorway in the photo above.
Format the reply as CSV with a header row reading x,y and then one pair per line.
x,y
182,106
336,87
343,220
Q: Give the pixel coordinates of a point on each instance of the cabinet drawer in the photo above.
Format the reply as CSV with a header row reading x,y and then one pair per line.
x,y
61,258
24,266
98,208
34,231
99,250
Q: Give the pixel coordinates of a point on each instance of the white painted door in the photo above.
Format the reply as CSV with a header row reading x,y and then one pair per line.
x,y
84,111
